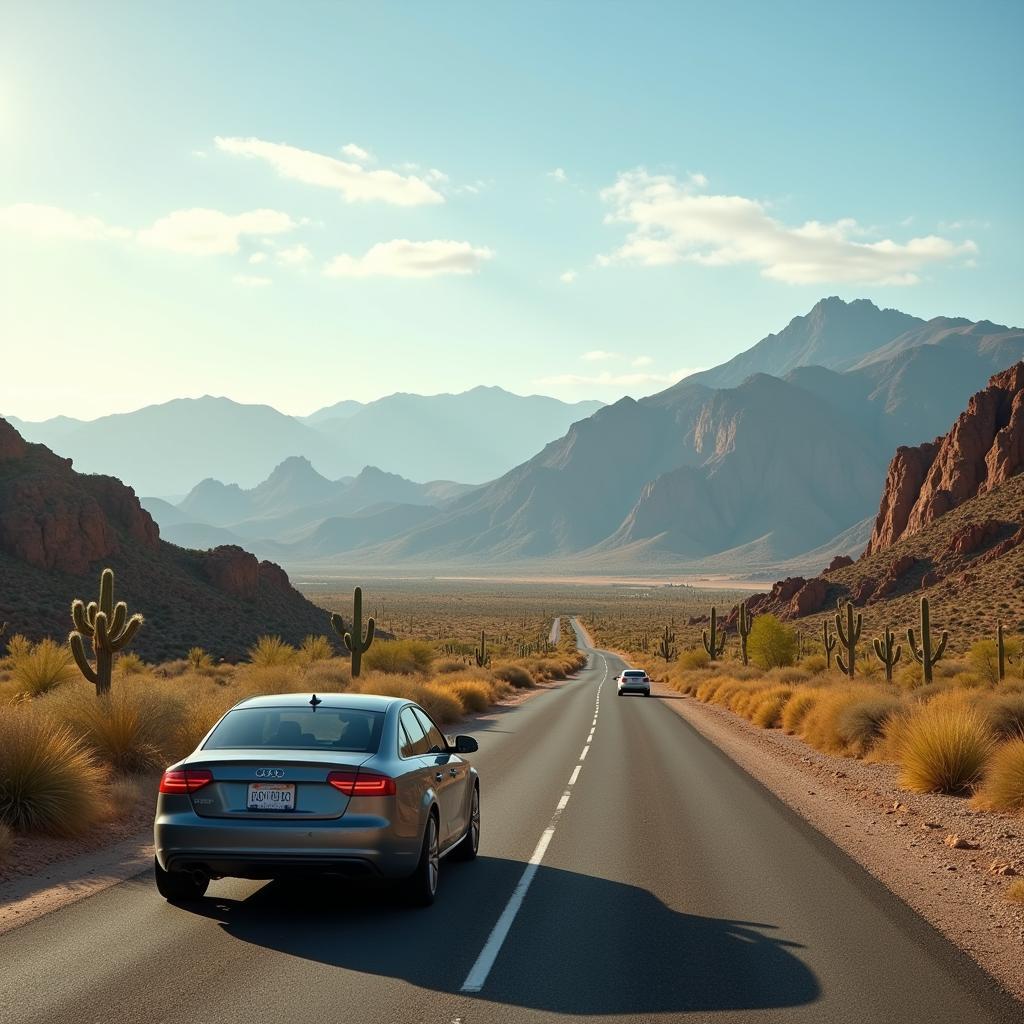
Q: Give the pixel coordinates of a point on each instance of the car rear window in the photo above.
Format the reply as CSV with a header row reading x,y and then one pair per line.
x,y
301,728
639,673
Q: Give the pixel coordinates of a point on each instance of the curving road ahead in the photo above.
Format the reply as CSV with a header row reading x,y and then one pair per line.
x,y
628,870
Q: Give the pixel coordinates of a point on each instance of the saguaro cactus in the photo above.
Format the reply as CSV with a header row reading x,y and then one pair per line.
x,y
828,641
743,624
886,653
355,640
480,655
924,655
1000,647
667,644
848,637
713,644
108,626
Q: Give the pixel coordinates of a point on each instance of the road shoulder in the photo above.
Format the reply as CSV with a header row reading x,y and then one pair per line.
x,y
898,837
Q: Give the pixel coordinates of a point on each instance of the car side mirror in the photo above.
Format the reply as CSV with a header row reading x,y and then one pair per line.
x,y
465,745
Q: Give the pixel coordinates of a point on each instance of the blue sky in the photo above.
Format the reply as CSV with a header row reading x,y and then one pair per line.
x,y
299,203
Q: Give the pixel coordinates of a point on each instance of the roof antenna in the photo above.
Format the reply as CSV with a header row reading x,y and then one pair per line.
x,y
315,700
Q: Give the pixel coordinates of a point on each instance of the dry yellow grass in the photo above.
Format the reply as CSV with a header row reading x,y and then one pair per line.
x,y
797,708
50,781
42,667
1003,788
944,748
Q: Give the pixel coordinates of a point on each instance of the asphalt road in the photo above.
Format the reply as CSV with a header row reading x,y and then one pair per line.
x,y
666,885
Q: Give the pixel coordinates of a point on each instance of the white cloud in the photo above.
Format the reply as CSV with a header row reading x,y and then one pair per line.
x,y
251,281
435,175
47,222
258,257
356,152
670,223
642,361
402,258
353,182
568,277
559,175
699,180
294,255
598,355
211,231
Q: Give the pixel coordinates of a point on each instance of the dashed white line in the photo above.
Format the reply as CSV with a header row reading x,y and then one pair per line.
x,y
492,947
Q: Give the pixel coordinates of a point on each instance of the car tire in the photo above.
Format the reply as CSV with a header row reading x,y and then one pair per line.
x,y
421,887
178,886
469,846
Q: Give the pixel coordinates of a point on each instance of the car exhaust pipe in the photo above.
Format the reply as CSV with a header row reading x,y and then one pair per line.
x,y
200,877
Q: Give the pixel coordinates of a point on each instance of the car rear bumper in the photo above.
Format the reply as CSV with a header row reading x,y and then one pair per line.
x,y
634,689
360,847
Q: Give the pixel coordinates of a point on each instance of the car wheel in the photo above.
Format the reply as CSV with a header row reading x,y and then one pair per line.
x,y
178,886
421,888
470,844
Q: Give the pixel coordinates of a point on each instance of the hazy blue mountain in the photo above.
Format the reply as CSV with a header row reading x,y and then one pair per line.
x,y
834,334
473,436
770,467
164,449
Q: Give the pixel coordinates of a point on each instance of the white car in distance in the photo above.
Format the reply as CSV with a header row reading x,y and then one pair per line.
x,y
633,680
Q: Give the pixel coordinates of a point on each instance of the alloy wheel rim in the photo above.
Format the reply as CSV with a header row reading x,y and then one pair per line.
x,y
433,857
475,820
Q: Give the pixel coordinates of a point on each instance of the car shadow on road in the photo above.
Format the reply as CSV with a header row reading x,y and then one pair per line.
x,y
581,945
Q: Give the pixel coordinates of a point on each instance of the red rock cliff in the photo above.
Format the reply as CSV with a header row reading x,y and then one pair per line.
x,y
984,448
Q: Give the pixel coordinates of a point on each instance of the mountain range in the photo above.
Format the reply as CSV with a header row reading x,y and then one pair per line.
x,y
773,459
164,449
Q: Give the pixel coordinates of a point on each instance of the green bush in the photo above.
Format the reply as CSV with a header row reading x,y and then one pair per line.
x,y
404,657
771,644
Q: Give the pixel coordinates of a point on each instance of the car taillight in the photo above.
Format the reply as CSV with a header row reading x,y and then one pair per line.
x,y
362,783
184,780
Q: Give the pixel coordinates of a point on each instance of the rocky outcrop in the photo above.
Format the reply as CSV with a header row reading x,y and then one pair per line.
x,y
809,598
984,448
973,536
839,562
53,518
58,527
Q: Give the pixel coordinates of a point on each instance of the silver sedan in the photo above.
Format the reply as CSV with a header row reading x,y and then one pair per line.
x,y
347,785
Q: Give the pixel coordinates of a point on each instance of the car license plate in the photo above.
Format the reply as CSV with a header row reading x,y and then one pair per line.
x,y
271,796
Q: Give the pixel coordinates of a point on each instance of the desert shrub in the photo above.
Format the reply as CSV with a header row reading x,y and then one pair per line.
x,y
814,664
1003,788
790,674
6,842
766,709
442,705
471,694
49,781
405,657
983,657
333,675
515,675
198,660
771,644
1015,891
18,646
1005,714
124,793
908,675
796,709
835,725
447,665
861,723
41,667
271,651
200,713
944,748
315,648
130,664
172,669
132,730
696,658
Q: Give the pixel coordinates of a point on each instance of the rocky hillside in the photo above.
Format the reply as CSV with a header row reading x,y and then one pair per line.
x,y
950,525
58,528
984,449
